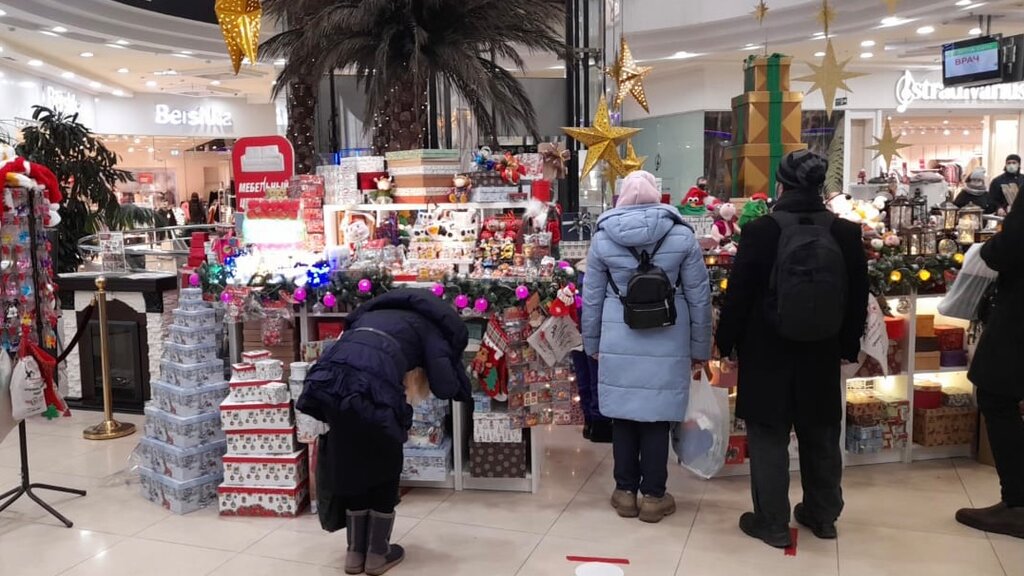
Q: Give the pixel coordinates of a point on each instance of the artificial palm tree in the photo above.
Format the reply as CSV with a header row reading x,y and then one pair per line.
x,y
396,48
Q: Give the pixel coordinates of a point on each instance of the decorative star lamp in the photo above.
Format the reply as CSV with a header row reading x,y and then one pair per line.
x,y
602,140
240,22
630,78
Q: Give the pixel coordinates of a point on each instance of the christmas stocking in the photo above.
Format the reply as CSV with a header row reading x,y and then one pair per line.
x,y
491,364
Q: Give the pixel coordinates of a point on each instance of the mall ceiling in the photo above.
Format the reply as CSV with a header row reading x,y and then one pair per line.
x,y
122,47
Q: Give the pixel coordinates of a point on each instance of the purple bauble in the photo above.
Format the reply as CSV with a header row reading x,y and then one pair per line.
x,y
481,305
365,285
461,301
330,300
225,297
193,279
522,292
438,290
299,294
562,264
579,302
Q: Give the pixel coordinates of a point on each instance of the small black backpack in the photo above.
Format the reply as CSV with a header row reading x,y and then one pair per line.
x,y
650,300
807,291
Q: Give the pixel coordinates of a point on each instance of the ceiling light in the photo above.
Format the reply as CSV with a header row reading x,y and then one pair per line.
x,y
975,31
186,52
280,62
137,140
967,132
964,2
945,132
151,83
177,55
48,33
215,83
945,121
59,29
95,85
866,55
131,149
819,54
86,54
118,92
68,75
2,13
112,45
36,63
123,70
122,42
151,149
926,30
867,44
683,55
891,21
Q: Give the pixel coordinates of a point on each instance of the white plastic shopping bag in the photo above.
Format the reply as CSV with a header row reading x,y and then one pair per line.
x,y
974,278
27,395
701,440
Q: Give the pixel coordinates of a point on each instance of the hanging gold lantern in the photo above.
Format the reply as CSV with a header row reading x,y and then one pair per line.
x,y
240,22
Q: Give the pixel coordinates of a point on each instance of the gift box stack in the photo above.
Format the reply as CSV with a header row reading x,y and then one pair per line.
x,y
429,448
926,346
184,444
266,472
275,333
946,425
488,186
423,176
340,185
367,170
310,189
875,422
952,352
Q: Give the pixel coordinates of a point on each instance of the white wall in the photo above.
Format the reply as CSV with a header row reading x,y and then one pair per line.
x,y
20,91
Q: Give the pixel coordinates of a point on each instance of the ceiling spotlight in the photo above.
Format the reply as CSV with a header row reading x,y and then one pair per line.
x,y
117,46
945,121
967,132
151,83
180,55
68,75
866,55
867,44
118,93
215,83
95,85
186,52
131,149
123,70
48,33
964,2
280,62
122,42
891,21
975,31
926,30
945,132
86,54
59,29
682,55
151,149
819,54
137,140
2,13
35,63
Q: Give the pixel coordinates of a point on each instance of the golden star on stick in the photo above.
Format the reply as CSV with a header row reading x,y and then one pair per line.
x,y
240,22
630,78
760,12
602,139
887,146
829,77
632,162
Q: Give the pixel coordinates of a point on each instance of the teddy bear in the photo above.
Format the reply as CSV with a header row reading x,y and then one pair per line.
x,y
463,186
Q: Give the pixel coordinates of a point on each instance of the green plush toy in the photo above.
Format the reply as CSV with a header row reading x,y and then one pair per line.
x,y
752,210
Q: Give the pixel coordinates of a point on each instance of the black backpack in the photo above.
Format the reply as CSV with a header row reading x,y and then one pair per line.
x,y
650,300
807,291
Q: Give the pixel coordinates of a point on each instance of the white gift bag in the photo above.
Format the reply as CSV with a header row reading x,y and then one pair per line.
x,y
27,397
974,278
7,420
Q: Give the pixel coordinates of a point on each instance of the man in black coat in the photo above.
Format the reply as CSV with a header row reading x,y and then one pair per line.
x,y
783,383
995,370
1005,187
358,387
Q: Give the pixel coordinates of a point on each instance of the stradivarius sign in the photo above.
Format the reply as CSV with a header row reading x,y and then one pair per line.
x,y
910,90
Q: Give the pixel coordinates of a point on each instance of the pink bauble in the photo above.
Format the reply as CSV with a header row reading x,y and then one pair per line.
x,y
461,301
438,290
522,292
563,264
225,297
365,285
481,305
330,300
299,294
571,286
193,279
579,302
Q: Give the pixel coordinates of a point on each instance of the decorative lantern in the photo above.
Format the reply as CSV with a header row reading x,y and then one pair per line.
x,y
969,224
949,214
912,240
901,214
920,203
929,241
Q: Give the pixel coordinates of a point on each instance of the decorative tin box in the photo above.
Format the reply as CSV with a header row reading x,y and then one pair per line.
x,y
202,318
428,464
281,471
176,496
256,501
192,375
190,353
188,401
183,432
192,336
253,415
247,390
182,463
261,442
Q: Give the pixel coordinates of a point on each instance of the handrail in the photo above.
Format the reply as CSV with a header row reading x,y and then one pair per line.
x,y
153,238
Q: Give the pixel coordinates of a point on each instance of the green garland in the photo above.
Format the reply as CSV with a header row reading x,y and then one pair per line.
x,y
892,273
501,294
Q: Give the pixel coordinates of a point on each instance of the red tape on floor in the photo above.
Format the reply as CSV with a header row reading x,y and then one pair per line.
x,y
794,534
404,491
587,559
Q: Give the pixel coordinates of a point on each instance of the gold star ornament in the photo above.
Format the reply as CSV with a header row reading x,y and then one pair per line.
x,y
760,12
630,78
602,139
888,146
631,163
829,77
240,22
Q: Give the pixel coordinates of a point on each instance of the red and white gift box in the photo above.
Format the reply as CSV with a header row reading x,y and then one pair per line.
x,y
250,415
261,442
262,501
280,471
247,390
252,356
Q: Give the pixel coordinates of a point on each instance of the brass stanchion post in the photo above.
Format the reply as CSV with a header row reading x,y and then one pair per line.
x,y
109,428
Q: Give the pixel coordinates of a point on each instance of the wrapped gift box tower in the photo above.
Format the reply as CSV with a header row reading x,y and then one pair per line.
x,y
423,175
184,444
766,123
266,472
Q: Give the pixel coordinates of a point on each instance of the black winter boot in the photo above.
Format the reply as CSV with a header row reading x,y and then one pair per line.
x,y
355,531
381,554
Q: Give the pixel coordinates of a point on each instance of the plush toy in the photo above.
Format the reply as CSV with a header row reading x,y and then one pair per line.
x,y
463,186
385,190
693,203
18,172
752,210
725,225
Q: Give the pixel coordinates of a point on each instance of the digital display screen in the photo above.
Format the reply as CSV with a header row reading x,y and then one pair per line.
x,y
972,62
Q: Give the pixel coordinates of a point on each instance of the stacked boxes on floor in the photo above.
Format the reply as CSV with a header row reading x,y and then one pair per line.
x,y
266,472
181,453
875,422
428,452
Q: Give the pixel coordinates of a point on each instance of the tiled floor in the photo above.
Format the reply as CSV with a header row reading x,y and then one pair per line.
x,y
898,520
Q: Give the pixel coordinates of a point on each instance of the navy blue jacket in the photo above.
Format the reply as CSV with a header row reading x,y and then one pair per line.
x,y
360,376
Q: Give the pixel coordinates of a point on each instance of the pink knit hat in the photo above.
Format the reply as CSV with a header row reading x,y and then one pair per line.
x,y
639,187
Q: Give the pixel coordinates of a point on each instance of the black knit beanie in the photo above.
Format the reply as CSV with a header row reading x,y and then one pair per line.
x,y
1013,158
802,170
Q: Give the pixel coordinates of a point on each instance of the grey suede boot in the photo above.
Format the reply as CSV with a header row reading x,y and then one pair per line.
x,y
381,555
355,531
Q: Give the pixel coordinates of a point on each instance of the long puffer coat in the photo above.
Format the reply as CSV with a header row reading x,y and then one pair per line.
x,y
644,375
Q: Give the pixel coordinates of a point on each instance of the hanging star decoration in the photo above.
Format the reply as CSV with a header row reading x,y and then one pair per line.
x,y
602,139
888,146
892,5
632,162
826,16
630,78
760,12
829,77
240,22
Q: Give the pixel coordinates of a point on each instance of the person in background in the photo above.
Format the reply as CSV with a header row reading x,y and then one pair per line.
x,y
181,213
1005,188
363,387
596,427
785,383
213,212
165,214
995,372
196,210
975,192
643,374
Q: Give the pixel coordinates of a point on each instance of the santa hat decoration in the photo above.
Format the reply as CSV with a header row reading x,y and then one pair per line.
x,y
19,172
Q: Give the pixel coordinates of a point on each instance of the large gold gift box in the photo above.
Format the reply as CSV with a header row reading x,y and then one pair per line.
x,y
751,113
757,77
756,166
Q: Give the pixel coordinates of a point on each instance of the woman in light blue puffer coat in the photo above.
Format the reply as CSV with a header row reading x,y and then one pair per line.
x,y
644,375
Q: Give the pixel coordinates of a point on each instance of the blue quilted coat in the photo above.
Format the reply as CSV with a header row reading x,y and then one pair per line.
x,y
644,375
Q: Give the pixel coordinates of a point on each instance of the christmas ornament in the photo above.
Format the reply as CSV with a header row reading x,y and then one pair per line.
x,y
193,279
240,22
887,146
629,76
632,162
829,77
299,295
554,156
924,275
895,276
461,301
330,300
522,292
958,258
481,305
225,297
760,12
602,140
364,286
438,290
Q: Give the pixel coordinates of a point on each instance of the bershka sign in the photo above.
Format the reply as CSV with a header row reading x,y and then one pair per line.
x,y
207,116
260,164
910,90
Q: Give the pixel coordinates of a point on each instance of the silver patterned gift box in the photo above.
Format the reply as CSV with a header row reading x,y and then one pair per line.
x,y
182,463
183,432
188,401
176,496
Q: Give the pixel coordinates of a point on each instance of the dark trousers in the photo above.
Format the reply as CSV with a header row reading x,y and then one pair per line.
x,y
821,471
381,498
1006,436
641,456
